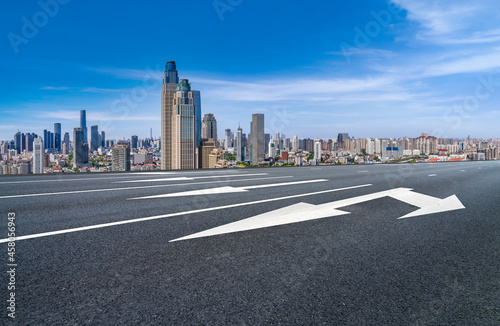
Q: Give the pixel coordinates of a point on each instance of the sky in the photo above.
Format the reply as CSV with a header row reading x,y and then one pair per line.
x,y
370,68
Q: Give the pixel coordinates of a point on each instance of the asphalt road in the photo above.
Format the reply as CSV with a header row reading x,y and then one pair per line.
x,y
89,252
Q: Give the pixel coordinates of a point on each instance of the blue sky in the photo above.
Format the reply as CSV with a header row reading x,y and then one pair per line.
x,y
371,68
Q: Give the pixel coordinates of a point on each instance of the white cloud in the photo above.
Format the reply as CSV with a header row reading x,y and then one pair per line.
x,y
84,89
439,17
473,64
454,22
364,51
92,116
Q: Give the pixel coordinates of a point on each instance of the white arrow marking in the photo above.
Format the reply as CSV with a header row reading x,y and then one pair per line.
x,y
157,217
226,190
191,178
304,212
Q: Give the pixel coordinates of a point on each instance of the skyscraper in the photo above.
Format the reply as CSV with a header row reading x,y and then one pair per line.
x,y
66,142
46,141
267,140
257,138
28,141
240,152
18,142
317,151
103,139
57,136
50,140
121,157
83,124
209,127
343,141
170,81
38,156
228,139
197,117
185,140
133,141
94,138
80,148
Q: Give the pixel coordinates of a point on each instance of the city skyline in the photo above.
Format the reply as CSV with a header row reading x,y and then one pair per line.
x,y
383,69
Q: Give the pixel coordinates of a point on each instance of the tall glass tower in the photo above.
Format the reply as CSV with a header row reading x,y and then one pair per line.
x,y
257,146
94,138
83,124
170,81
80,148
240,153
57,136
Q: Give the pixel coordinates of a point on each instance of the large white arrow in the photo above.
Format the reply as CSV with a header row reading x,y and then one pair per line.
x,y
304,212
228,189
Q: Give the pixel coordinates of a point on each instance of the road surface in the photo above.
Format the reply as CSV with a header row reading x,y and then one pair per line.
x,y
411,244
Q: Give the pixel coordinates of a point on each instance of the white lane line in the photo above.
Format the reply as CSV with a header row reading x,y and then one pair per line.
x,y
96,177
143,219
462,170
138,187
432,175
362,171
226,190
191,178
63,180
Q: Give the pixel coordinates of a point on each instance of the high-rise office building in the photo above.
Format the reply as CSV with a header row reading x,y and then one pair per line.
x,y
240,151
103,139
206,148
184,127
57,136
83,124
295,144
121,157
267,140
318,151
46,141
133,141
18,142
28,141
197,117
94,138
50,140
80,148
228,139
38,156
343,141
257,146
271,150
170,81
209,127
65,143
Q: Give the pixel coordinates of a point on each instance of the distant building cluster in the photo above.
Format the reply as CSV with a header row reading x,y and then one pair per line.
x,y
54,153
189,141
